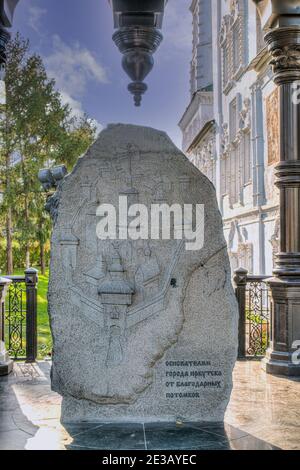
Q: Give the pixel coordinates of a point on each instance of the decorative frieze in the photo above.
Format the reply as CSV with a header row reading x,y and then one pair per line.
x,y
236,161
239,248
272,116
204,156
245,116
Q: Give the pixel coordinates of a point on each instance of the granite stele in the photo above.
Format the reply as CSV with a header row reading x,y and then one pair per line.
x,y
143,330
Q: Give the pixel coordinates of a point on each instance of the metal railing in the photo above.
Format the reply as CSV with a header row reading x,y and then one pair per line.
x,y
253,297
20,316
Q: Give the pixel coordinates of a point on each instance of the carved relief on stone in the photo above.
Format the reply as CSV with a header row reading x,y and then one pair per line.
x,y
52,205
233,43
204,156
116,295
162,190
272,111
237,8
96,271
245,116
147,274
245,256
284,47
225,43
275,239
239,248
185,183
121,309
68,251
225,28
225,139
115,350
286,57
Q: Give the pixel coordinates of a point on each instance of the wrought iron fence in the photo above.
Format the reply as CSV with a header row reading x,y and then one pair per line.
x,y
20,316
15,318
253,297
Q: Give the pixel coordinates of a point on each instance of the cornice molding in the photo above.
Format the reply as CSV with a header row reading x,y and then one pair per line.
x,y
200,97
208,126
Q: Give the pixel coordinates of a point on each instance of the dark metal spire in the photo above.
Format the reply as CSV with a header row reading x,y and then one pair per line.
x,y
137,38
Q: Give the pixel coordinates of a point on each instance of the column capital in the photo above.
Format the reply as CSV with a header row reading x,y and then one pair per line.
x,y
284,47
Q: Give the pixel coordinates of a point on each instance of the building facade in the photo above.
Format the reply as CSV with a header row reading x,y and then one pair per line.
x,y
231,127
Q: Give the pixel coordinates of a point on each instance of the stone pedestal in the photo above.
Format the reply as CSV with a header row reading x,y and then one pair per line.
x,y
6,364
144,327
285,329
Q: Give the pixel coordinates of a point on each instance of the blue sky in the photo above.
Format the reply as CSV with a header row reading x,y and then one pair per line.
x,y
74,39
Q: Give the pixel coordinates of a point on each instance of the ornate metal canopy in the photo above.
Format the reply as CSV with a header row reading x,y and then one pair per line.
x,y
7,8
138,37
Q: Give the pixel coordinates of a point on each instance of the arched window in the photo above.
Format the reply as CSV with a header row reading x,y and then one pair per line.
x,y
236,156
233,41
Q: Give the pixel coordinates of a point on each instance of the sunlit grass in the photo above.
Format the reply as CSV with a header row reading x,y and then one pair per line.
x,y
44,335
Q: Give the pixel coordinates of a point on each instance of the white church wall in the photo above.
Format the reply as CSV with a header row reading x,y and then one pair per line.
x,y
244,111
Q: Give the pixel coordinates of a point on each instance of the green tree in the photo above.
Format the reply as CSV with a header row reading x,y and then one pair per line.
x,y
37,130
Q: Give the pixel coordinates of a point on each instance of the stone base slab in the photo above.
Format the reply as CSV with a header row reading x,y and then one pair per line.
x,y
6,367
277,363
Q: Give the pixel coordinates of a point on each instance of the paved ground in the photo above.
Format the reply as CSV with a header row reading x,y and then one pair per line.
x,y
264,413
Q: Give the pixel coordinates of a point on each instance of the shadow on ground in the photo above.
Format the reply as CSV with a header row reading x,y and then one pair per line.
x,y
30,419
